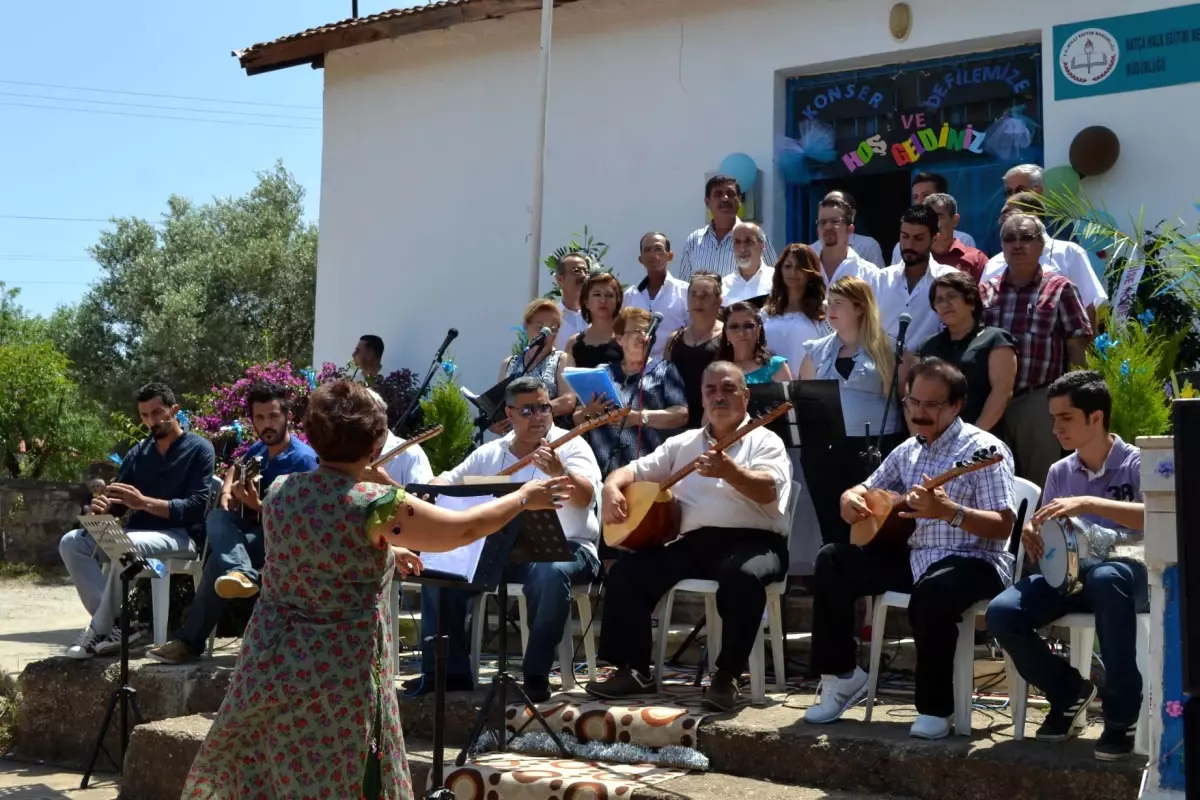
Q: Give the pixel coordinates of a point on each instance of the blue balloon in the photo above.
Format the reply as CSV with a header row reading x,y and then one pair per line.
x,y
742,169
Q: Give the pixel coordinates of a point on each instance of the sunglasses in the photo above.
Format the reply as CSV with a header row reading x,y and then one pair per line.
x,y
742,326
1011,238
529,409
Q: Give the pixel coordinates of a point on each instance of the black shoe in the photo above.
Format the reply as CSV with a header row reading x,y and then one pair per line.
x,y
537,689
1063,723
723,693
1115,744
621,684
425,685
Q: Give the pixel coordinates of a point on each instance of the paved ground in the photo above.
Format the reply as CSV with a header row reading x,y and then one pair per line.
x,y
37,619
23,781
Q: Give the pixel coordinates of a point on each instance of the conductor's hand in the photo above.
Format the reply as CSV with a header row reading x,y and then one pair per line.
x,y
613,506
100,505
1034,546
377,475
407,562
854,509
545,495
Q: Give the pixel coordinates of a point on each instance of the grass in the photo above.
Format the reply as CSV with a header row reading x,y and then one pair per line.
x,y
10,710
24,572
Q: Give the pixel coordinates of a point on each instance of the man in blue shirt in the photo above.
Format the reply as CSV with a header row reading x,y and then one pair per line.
x,y
235,535
164,485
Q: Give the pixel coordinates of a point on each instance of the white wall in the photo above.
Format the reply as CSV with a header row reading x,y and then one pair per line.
x,y
428,155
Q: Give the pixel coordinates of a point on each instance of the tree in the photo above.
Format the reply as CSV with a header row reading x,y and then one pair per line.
x,y
194,299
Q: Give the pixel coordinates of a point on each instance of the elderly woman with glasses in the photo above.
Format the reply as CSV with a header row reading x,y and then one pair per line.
x,y
543,362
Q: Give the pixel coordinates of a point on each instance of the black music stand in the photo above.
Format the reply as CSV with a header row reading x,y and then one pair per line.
x,y
490,405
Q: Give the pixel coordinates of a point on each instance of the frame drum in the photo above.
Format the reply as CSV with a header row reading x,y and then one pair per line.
x,y
1059,563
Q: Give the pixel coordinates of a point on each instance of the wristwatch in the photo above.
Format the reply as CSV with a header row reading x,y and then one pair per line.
x,y
645,418
958,517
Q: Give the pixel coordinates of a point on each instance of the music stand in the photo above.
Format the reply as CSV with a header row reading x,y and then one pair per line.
x,y
110,537
490,405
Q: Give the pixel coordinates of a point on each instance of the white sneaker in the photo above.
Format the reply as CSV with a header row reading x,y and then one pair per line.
x,y
85,645
837,695
112,643
927,727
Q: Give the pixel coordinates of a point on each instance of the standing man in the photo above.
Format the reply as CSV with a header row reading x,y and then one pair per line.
x,y
752,278
904,287
924,185
660,291
835,224
1100,483
948,248
1024,178
570,273
165,481
1043,312
368,357
234,528
711,248
867,248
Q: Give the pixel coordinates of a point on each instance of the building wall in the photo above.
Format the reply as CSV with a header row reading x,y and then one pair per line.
x,y
428,155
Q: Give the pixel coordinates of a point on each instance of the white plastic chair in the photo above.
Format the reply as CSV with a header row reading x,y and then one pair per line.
x,y
1027,494
712,621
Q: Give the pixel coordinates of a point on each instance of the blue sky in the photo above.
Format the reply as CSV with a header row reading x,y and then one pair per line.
x,y
67,164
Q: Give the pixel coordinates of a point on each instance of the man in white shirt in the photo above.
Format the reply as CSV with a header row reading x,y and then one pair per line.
x,y
569,274
753,277
711,248
411,466
868,249
835,223
660,291
904,287
923,185
734,528
547,586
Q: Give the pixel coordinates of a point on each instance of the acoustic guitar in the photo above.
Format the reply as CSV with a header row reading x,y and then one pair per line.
x,y
608,417
653,518
247,473
422,436
885,523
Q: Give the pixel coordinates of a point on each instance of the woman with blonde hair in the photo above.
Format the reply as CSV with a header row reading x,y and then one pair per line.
x,y
543,362
859,356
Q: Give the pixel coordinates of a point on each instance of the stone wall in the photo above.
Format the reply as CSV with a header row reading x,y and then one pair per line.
x,y
33,517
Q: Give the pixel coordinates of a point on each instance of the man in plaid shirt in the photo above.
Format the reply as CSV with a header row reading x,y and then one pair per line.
x,y
956,557
1044,313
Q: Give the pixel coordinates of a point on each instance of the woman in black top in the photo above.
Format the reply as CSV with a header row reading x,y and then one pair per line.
x,y
987,356
692,348
600,302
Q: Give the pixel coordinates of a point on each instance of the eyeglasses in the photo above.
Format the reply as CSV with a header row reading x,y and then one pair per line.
x,y
529,409
1010,192
1012,238
930,406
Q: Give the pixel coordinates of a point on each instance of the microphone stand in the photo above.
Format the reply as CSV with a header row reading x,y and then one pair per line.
x,y
874,453
641,376
416,402
484,422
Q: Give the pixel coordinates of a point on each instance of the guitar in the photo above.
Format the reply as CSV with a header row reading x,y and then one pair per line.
x,y
886,524
589,424
247,473
422,436
653,518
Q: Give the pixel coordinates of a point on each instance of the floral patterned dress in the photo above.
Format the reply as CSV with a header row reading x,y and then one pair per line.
x,y
311,711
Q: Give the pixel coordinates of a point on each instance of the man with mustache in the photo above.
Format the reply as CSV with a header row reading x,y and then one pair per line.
x,y
734,530
929,184
570,273
904,287
711,248
752,279
235,537
957,556
164,481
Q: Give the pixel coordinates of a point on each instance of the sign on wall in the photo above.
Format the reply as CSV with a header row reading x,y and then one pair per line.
x,y
1127,53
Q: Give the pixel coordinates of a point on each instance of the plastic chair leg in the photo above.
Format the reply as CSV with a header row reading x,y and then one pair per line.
x,y
160,606
775,623
878,621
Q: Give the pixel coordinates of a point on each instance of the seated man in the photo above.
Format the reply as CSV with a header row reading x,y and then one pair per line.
x,y
164,480
547,586
956,557
734,530
1099,483
411,466
235,536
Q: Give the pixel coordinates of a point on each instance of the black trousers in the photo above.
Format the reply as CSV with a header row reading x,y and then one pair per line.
x,y
742,561
846,572
830,472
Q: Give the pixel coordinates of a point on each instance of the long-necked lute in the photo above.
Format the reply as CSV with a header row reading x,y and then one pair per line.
x,y
885,523
423,436
653,513
589,424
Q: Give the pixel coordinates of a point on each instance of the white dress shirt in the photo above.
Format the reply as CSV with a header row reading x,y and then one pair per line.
x,y
671,301
867,248
708,502
572,324
853,265
1069,260
579,524
411,466
894,298
962,236
704,251
734,287
787,333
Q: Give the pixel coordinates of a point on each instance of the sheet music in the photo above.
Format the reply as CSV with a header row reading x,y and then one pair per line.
x,y
462,560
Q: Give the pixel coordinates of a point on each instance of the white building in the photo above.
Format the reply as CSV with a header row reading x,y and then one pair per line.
x,y
429,117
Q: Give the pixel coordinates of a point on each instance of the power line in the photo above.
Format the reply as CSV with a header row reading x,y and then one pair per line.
x,y
151,94
163,116
161,108
53,219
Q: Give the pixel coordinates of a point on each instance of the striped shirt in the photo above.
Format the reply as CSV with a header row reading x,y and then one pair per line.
x,y
988,489
704,251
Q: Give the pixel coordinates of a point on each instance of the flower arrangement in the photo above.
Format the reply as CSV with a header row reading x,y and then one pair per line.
x,y
1136,363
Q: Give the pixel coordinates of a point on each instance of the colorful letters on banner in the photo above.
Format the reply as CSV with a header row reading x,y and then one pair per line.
x,y
910,149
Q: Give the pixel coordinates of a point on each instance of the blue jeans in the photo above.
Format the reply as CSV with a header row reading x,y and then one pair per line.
x,y
1115,592
548,594
234,545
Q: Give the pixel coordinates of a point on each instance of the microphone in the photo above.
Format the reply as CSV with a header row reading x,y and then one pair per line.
x,y
658,318
451,335
905,321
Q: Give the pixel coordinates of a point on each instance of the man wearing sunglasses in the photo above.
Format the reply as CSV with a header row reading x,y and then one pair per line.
x,y
547,586
1047,318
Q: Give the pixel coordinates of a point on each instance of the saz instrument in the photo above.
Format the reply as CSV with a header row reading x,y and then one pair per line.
x,y
422,436
247,473
885,523
589,424
653,518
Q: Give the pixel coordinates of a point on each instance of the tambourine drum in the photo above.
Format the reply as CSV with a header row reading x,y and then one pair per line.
x,y
1065,547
